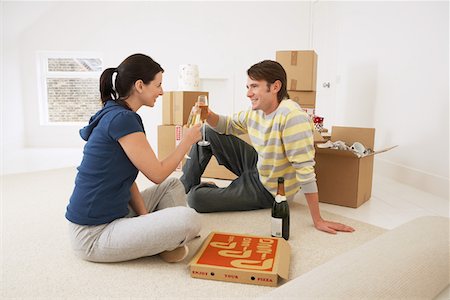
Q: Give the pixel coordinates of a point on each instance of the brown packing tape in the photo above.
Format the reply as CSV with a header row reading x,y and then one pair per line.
x,y
293,84
177,107
293,58
167,117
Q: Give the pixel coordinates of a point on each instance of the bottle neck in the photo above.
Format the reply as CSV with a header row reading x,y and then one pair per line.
x,y
280,189
280,198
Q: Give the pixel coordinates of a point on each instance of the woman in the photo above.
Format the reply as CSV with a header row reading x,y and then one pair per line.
x,y
110,220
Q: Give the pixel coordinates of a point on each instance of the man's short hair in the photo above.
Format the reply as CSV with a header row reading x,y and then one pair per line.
x,y
270,71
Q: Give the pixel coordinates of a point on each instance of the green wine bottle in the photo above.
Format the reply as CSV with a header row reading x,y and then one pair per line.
x,y
280,213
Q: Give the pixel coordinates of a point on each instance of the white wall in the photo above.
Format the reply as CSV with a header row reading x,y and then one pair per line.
x,y
224,39
387,63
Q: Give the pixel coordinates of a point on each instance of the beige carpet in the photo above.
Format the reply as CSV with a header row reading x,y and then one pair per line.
x,y
38,263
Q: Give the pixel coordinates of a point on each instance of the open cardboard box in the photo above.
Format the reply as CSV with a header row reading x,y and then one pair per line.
x,y
241,258
342,177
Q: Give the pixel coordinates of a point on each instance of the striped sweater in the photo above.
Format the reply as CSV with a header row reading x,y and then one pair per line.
x,y
284,143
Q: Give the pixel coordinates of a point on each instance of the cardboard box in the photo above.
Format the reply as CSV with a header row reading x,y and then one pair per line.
x,y
242,258
304,99
301,69
214,170
177,106
310,111
169,136
321,136
342,177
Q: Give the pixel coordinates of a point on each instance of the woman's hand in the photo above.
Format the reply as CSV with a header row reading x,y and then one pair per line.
x,y
192,135
194,117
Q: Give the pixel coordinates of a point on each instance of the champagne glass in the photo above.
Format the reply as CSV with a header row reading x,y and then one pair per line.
x,y
202,103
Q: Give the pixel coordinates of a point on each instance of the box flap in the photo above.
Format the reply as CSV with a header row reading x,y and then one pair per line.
x,y
318,138
349,135
382,150
202,248
284,258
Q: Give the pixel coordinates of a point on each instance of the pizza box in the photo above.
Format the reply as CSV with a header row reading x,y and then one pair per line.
x,y
259,260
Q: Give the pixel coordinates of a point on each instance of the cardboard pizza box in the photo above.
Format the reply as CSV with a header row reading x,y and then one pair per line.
x,y
259,260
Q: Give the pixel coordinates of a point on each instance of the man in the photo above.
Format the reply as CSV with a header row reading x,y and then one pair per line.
x,y
283,146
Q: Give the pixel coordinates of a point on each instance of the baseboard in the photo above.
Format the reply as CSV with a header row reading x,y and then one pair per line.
x,y
33,159
427,182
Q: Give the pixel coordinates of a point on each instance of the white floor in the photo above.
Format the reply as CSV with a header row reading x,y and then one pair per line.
x,y
392,204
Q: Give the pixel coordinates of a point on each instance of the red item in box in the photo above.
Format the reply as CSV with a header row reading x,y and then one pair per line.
x,y
318,119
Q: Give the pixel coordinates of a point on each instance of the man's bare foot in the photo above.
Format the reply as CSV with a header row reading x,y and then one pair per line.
x,y
208,184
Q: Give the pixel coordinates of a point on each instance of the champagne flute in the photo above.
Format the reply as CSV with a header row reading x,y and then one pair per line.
x,y
202,103
192,120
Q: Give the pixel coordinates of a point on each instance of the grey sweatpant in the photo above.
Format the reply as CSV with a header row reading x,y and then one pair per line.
x,y
170,224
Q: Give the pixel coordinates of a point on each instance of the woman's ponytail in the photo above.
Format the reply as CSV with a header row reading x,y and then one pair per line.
x,y
107,91
119,87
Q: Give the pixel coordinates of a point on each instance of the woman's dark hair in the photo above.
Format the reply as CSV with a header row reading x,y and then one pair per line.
x,y
135,67
270,71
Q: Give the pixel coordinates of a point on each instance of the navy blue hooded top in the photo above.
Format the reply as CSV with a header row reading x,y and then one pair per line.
x,y
105,175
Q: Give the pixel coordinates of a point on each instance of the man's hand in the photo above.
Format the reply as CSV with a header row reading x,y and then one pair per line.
x,y
319,223
332,227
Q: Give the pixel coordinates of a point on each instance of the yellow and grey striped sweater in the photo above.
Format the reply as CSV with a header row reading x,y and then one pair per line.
x,y
284,142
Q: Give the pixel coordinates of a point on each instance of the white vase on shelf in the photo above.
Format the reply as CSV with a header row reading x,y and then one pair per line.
x,y
188,78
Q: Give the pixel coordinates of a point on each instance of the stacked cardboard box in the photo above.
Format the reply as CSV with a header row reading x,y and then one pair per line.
x,y
301,71
169,136
214,170
177,106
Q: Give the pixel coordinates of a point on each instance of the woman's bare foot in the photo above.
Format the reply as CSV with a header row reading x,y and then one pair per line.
x,y
175,255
